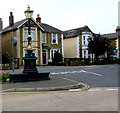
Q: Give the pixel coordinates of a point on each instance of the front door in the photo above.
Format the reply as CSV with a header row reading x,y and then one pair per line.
x,y
44,56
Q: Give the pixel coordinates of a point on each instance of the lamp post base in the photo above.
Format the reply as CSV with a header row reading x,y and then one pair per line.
x,y
25,77
30,72
30,62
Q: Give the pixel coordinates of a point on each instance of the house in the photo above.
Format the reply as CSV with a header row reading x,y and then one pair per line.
x,y
46,40
76,42
114,45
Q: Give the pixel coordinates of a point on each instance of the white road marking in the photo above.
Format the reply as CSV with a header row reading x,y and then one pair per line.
x,y
91,73
112,89
70,72
74,90
54,73
94,90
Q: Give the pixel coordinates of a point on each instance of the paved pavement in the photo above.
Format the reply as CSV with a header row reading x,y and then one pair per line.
x,y
55,83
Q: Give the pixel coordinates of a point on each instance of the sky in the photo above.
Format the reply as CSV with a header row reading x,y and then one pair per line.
x,y
101,16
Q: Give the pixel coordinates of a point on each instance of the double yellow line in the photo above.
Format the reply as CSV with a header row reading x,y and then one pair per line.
x,y
85,87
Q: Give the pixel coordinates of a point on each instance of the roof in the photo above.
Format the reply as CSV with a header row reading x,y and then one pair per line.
x,y
42,26
75,32
111,35
48,28
16,25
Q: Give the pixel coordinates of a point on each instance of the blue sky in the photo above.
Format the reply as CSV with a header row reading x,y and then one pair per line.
x,y
100,15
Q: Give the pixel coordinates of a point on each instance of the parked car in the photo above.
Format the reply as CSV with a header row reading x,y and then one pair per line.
x,y
113,57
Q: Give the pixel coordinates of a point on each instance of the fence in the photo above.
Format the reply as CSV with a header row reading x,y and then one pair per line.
x,y
76,62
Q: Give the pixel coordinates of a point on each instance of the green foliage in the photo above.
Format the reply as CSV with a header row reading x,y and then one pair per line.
x,y
4,77
6,58
98,46
57,57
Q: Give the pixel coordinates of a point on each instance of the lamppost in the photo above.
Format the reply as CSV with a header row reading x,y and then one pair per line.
x,y
28,14
30,58
30,71
14,43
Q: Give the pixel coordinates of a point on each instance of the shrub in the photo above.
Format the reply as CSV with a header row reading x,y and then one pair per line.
x,y
57,57
6,58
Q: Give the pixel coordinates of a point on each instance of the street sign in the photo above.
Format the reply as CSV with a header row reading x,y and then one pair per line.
x,y
115,51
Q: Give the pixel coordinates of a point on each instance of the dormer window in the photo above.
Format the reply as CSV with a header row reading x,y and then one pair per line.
x,y
54,38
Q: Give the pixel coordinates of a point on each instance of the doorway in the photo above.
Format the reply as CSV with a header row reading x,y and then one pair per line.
x,y
44,57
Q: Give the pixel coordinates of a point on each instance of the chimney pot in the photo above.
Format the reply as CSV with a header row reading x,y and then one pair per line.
x,y
11,14
118,29
38,19
11,19
0,19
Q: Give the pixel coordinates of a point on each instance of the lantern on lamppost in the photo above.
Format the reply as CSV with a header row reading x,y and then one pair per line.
x,y
28,14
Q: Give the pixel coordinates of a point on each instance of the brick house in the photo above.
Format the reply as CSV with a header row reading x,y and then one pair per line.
x,y
46,40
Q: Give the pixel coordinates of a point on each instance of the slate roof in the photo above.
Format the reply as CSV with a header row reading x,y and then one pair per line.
x,y
75,32
16,25
42,26
48,28
111,35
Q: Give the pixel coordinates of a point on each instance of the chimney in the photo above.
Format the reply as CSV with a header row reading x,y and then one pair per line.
x,y
1,24
118,29
11,19
38,19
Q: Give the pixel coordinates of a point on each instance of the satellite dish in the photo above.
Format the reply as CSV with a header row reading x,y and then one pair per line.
x,y
14,41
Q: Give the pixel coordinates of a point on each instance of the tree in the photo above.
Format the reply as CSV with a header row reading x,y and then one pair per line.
x,y
57,57
98,45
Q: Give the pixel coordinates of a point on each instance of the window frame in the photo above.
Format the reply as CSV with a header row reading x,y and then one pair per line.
x,y
44,37
84,40
25,34
52,52
56,40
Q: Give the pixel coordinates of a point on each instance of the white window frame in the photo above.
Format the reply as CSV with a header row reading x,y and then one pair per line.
x,y
52,54
56,42
44,37
85,54
26,36
84,39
